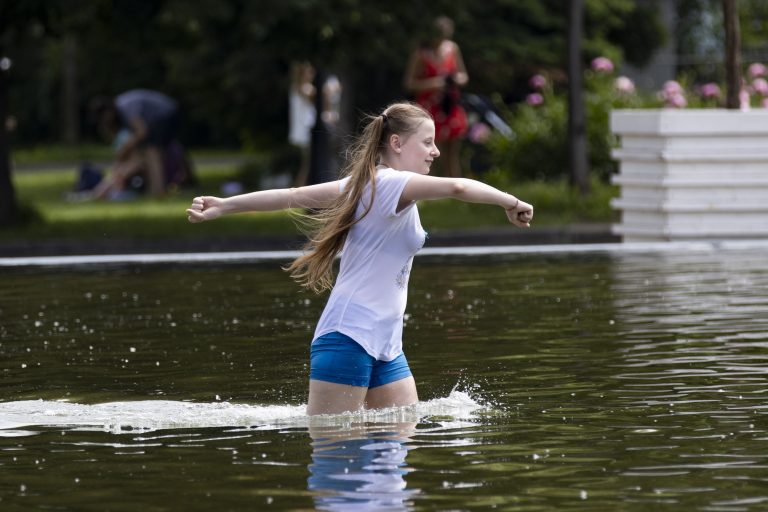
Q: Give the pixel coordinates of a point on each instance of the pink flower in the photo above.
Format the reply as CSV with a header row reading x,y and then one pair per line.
x,y
602,65
710,90
764,103
676,100
479,133
757,70
624,85
673,95
760,86
534,99
538,82
671,87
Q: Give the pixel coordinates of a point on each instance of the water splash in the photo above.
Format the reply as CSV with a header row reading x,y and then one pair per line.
x,y
150,415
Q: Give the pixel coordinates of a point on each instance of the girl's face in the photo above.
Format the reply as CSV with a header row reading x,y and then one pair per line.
x,y
417,152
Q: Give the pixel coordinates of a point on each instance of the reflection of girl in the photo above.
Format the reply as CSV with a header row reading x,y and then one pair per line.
x,y
360,468
357,359
434,74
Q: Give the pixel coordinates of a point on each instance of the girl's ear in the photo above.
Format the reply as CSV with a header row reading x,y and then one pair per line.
x,y
394,142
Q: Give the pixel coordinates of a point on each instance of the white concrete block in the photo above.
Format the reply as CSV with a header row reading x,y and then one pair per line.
x,y
691,174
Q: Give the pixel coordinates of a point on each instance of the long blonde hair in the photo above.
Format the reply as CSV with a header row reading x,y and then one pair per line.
x,y
314,268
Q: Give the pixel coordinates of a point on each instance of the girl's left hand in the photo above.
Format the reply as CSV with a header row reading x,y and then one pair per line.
x,y
521,215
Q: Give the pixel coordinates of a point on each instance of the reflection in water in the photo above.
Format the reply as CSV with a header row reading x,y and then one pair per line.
x,y
360,468
691,355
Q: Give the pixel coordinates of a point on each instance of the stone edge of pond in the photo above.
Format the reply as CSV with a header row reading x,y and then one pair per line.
x,y
571,234
710,246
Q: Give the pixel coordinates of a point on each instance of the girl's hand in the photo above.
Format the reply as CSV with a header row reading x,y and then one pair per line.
x,y
204,208
521,214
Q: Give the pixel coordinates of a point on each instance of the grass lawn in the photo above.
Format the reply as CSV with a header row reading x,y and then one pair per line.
x,y
42,192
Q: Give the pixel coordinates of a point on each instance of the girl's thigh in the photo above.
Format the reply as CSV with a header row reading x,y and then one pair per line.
x,y
395,394
331,398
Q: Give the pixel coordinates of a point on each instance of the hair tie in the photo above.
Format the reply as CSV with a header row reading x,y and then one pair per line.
x,y
385,118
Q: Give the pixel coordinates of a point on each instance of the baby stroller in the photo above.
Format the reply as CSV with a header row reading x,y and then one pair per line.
x,y
482,109
483,118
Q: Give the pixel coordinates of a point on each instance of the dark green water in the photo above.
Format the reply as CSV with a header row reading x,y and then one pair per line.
x,y
561,382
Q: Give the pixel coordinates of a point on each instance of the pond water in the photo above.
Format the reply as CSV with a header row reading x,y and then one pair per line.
x,y
594,381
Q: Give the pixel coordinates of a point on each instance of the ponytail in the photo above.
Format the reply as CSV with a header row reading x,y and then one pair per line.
x,y
329,227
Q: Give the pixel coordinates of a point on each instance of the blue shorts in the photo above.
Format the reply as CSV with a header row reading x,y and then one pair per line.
x,y
337,358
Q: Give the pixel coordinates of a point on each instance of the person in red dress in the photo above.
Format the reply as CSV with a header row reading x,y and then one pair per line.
x,y
434,74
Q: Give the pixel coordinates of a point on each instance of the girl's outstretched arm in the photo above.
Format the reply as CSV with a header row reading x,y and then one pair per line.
x,y
421,187
313,196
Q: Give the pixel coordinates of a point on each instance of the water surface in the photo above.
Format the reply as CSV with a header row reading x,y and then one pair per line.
x,y
601,381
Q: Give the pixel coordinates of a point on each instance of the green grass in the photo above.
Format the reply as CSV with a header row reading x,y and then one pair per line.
x,y
48,153
42,192
57,155
554,204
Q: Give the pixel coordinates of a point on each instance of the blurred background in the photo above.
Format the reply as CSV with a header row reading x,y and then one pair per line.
x,y
227,63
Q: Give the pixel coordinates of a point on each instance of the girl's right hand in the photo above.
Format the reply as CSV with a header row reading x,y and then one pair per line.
x,y
204,208
521,215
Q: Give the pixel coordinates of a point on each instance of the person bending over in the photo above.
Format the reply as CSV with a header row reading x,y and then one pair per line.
x,y
150,121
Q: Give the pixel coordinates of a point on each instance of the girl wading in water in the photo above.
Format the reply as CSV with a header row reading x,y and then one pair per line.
x,y
370,218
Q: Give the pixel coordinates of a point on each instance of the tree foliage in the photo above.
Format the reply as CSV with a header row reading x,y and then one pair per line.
x,y
227,60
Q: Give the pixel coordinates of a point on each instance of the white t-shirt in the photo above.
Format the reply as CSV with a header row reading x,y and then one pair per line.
x,y
367,302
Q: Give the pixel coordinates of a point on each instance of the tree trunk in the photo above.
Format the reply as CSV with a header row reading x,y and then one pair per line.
x,y
577,132
732,53
8,207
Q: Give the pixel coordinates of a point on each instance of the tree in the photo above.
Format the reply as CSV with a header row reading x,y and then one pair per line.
x,y
8,206
577,124
17,21
14,17
732,53
226,61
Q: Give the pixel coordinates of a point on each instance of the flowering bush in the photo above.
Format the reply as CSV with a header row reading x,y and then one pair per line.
x,y
753,93
539,149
